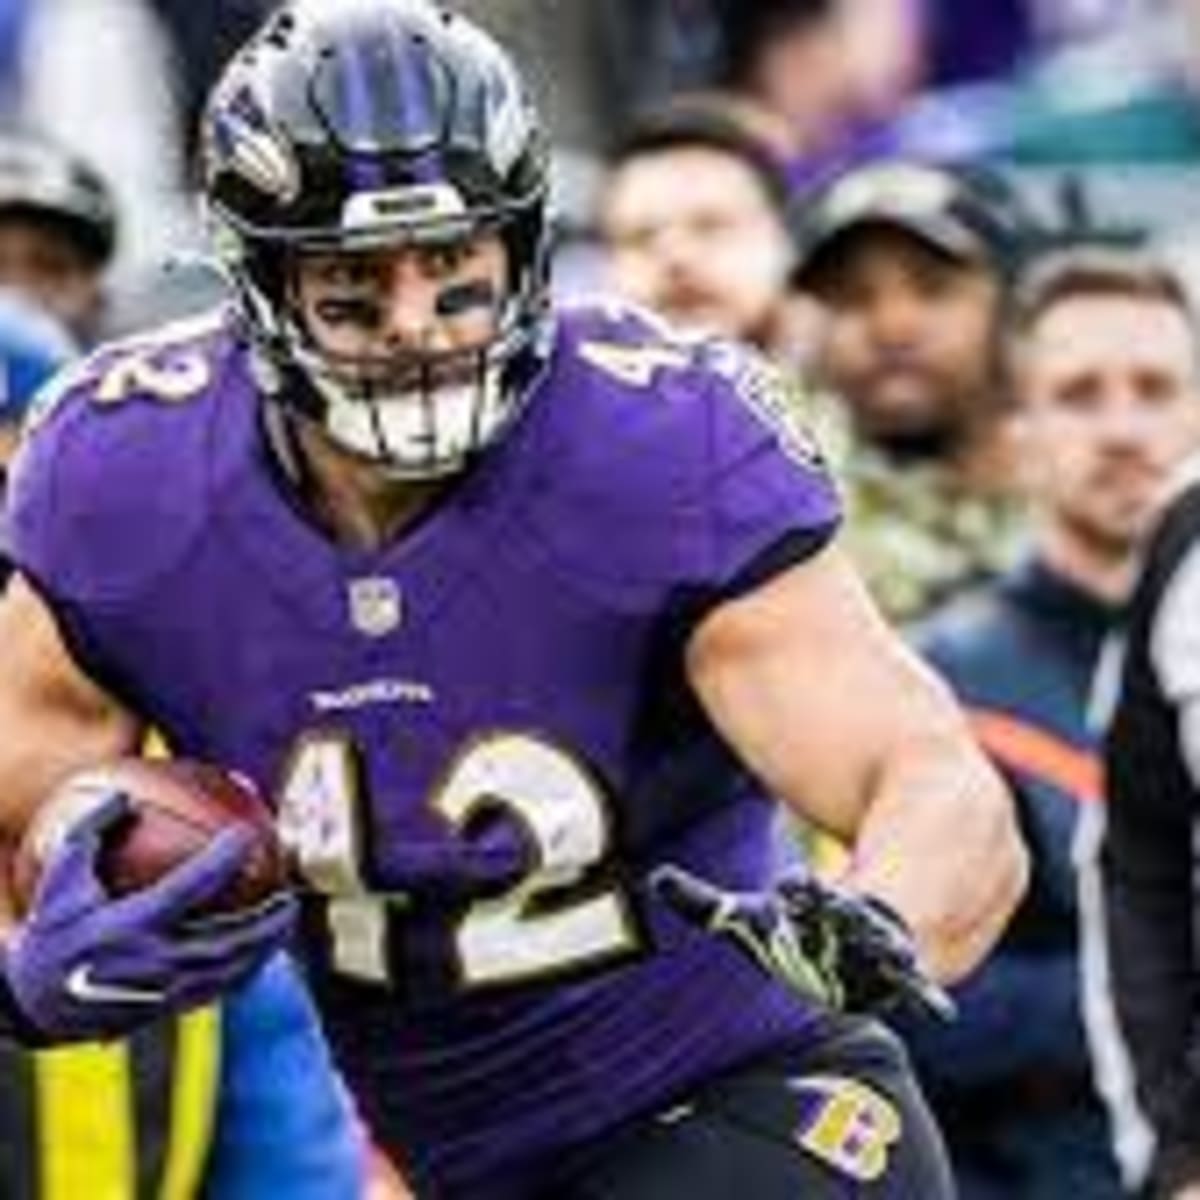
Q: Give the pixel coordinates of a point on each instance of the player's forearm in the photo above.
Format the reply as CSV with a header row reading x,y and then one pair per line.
x,y
939,842
55,720
823,702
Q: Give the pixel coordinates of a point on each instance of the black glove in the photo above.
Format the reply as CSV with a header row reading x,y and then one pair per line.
x,y
843,949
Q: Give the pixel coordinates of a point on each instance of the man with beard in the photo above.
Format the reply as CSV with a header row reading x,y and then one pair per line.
x,y
912,264
693,217
1108,407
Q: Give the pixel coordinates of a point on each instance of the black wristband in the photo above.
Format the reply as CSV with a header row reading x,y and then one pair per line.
x,y
15,1026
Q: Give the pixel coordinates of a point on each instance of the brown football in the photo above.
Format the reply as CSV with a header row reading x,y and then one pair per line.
x,y
178,807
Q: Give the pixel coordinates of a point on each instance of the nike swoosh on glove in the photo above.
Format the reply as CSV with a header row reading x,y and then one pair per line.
x,y
843,949
84,965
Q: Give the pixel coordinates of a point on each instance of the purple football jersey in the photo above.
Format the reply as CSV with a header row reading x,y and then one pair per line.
x,y
479,738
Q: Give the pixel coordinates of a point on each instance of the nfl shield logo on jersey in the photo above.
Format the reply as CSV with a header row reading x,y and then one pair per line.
x,y
375,605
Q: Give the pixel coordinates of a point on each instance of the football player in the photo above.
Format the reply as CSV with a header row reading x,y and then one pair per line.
x,y
522,618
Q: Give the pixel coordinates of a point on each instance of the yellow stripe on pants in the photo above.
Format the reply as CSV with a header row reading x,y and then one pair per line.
x,y
85,1123
193,1103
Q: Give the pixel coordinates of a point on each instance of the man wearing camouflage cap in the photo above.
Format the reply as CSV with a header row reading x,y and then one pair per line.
x,y
912,263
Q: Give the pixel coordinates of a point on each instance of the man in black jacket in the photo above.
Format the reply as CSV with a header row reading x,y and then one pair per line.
x,y
1148,859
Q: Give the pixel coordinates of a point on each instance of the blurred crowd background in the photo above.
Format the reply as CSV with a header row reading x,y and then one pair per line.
x,y
968,232
1094,104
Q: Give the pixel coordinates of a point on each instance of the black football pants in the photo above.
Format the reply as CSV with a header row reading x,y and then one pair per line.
x,y
838,1119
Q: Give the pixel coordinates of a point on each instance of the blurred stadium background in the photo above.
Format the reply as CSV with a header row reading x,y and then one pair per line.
x,y
1093,105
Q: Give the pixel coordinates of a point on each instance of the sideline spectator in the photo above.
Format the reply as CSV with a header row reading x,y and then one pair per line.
x,y
912,263
58,231
1108,408
98,76
693,216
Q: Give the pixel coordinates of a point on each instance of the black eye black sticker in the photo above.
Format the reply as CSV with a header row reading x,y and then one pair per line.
x,y
366,314
460,298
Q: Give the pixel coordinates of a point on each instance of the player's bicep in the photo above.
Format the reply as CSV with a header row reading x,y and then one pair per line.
x,y
55,719
811,688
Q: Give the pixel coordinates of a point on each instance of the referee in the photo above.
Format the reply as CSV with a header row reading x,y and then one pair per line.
x,y
1148,857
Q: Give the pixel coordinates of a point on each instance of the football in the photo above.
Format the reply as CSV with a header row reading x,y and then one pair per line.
x,y
178,806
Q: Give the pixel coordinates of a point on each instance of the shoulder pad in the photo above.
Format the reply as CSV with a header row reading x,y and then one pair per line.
x,y
110,482
172,364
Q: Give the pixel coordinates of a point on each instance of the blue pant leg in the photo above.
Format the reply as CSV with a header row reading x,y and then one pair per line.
x,y
285,1125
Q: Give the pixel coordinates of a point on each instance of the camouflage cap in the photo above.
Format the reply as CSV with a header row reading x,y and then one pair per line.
x,y
964,214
